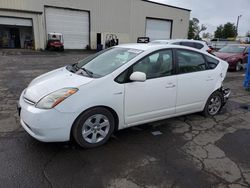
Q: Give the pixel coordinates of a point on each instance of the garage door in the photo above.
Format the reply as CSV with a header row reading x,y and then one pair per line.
x,y
15,21
158,29
74,25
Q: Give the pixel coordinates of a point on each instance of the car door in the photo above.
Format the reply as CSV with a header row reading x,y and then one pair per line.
x,y
195,82
155,98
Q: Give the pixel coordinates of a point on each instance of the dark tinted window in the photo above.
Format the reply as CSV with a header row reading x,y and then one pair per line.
x,y
189,44
199,46
211,62
189,61
156,65
122,77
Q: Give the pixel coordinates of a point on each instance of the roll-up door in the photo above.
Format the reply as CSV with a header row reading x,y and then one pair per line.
x,y
157,29
73,24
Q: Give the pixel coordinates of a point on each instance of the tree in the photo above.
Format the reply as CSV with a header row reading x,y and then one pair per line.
x,y
227,30
219,32
195,29
207,35
191,31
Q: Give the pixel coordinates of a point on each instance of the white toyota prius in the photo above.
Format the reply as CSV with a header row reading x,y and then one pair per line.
x,y
120,87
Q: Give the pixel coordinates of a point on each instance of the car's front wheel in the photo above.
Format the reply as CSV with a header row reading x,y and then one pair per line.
x,y
214,104
93,128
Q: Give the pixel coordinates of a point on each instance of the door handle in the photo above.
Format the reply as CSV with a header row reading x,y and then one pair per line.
x,y
209,78
170,85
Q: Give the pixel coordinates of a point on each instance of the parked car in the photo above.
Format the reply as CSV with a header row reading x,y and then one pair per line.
x,y
55,42
236,55
198,44
218,43
121,87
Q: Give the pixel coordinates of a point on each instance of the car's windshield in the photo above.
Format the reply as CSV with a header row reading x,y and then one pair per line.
x,y
232,49
107,61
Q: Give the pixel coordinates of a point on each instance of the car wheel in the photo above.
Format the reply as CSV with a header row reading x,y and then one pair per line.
x,y
93,128
238,66
213,105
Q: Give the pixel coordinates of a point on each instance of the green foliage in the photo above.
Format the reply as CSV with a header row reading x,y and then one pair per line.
x,y
219,32
227,30
195,29
191,31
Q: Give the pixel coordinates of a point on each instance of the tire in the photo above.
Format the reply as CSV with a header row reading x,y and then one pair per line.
x,y
238,66
213,105
93,128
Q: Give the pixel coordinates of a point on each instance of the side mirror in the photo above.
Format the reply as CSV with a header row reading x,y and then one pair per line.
x,y
138,77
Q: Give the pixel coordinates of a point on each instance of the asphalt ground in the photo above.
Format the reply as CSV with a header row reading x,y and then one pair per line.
x,y
192,151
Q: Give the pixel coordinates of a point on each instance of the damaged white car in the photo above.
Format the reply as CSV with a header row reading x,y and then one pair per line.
x,y
120,87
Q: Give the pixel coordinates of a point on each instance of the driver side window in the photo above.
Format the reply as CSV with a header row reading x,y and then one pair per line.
x,y
156,65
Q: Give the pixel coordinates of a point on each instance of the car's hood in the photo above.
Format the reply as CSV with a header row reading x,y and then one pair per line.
x,y
225,56
53,81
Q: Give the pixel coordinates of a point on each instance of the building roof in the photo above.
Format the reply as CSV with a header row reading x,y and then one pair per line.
x,y
162,4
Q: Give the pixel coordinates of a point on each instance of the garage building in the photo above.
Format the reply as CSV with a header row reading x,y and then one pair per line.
x,y
85,23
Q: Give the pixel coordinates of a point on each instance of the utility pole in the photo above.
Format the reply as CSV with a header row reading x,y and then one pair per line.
x,y
237,25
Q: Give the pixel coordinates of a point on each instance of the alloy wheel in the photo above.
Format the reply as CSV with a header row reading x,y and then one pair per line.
x,y
95,128
214,105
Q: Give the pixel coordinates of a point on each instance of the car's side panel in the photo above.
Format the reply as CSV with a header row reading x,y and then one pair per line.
x,y
110,94
193,89
151,99
195,82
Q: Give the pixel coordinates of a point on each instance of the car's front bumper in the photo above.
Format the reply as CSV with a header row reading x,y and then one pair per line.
x,y
45,125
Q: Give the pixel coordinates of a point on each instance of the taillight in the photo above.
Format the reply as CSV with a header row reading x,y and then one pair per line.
x,y
209,50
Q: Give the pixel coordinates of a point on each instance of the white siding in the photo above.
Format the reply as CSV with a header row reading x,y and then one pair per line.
x,y
124,18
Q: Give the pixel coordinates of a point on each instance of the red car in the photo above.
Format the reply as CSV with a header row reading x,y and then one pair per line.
x,y
55,42
236,55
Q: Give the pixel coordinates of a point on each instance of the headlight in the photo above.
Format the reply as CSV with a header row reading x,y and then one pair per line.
x,y
53,99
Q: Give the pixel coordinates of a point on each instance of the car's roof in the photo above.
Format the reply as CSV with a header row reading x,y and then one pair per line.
x,y
179,40
138,46
149,46
246,45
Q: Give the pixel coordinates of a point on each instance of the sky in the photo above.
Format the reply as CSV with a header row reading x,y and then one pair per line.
x,y
212,13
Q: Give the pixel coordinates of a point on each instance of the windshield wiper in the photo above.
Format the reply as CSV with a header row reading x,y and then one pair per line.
x,y
89,73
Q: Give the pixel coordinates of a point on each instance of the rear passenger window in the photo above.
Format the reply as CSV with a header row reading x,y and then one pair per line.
x,y
189,61
199,46
211,62
189,44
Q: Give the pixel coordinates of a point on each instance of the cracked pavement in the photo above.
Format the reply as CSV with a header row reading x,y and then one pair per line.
x,y
192,151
